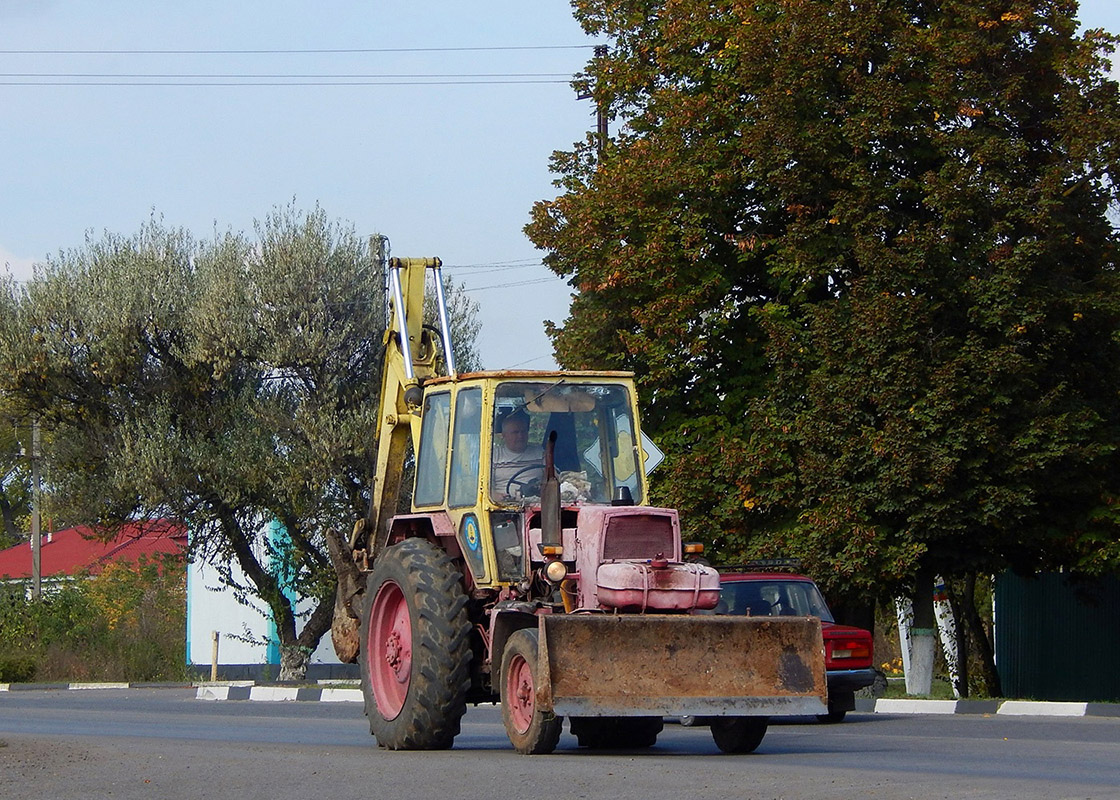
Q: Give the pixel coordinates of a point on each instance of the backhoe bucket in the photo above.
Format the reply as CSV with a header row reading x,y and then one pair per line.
x,y
661,665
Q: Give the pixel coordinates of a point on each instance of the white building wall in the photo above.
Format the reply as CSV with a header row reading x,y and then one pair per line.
x,y
246,634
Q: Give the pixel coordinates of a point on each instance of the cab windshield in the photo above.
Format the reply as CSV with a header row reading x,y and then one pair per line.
x,y
595,453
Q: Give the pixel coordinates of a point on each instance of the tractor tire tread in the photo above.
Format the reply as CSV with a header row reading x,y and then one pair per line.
x,y
441,652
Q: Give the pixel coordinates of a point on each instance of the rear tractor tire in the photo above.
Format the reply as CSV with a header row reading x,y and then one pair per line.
x,y
739,734
531,731
415,648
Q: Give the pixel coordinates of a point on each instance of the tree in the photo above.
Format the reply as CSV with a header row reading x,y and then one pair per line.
x,y
860,256
230,383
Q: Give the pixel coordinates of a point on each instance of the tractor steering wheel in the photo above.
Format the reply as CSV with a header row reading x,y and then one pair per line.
x,y
513,479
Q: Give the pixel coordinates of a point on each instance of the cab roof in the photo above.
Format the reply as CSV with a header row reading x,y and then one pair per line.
x,y
523,374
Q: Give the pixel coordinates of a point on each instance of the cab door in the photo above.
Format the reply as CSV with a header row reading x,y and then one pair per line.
x,y
472,528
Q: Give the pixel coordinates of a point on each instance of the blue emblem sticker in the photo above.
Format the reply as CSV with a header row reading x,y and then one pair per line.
x,y
470,532
470,539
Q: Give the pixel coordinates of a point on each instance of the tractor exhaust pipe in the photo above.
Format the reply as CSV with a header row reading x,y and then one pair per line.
x,y
550,496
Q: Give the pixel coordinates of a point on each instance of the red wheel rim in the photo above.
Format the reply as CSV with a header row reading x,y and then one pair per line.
x,y
389,660
520,694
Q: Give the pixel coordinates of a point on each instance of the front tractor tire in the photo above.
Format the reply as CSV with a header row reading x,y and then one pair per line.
x,y
531,731
415,648
739,734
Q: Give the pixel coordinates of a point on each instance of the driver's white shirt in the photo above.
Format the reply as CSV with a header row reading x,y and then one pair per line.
x,y
506,463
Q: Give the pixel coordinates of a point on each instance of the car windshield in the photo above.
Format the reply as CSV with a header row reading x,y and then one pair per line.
x,y
595,450
773,597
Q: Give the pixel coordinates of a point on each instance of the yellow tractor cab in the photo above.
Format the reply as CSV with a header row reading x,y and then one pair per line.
x,y
484,442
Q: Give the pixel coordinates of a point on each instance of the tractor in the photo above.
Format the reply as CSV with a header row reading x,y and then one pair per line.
x,y
529,569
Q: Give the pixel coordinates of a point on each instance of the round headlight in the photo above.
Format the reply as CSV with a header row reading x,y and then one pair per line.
x,y
556,571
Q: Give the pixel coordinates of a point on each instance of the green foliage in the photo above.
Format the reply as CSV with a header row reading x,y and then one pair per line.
x,y
126,624
16,669
862,260
229,383
15,478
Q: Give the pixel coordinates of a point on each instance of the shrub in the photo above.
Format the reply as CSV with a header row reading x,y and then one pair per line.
x,y
16,669
126,624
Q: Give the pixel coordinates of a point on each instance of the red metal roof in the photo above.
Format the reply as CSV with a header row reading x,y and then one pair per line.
x,y
74,550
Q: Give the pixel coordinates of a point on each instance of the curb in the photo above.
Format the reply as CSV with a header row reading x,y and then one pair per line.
x,y
1035,708
327,694
334,691
1007,708
38,687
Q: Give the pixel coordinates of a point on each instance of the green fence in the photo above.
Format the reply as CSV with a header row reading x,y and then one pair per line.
x,y
1058,639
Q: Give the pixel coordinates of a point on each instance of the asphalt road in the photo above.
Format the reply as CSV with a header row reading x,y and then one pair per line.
x,y
163,743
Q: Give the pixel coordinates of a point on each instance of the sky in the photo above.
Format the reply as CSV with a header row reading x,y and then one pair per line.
x,y
444,166
446,170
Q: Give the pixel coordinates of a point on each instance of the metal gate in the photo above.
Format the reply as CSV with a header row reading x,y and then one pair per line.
x,y
1058,639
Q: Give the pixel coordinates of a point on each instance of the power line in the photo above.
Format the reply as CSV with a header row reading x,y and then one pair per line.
x,y
306,51
278,79
287,83
461,287
486,269
526,361
285,76
484,266
468,290
529,262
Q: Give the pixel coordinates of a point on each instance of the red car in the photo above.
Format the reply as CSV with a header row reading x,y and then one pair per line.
x,y
847,650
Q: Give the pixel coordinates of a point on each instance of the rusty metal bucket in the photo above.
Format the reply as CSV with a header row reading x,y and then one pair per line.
x,y
674,665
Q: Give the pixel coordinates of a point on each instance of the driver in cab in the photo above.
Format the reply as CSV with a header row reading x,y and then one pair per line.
x,y
515,463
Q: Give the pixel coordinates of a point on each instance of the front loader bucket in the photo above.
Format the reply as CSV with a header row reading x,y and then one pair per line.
x,y
670,665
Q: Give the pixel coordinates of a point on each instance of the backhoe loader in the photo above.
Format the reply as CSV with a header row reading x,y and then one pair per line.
x,y
547,584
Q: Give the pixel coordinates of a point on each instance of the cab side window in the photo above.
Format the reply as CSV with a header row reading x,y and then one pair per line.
x,y
465,448
431,462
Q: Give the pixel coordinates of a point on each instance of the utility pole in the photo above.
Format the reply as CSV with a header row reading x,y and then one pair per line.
x,y
600,108
379,244
36,535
